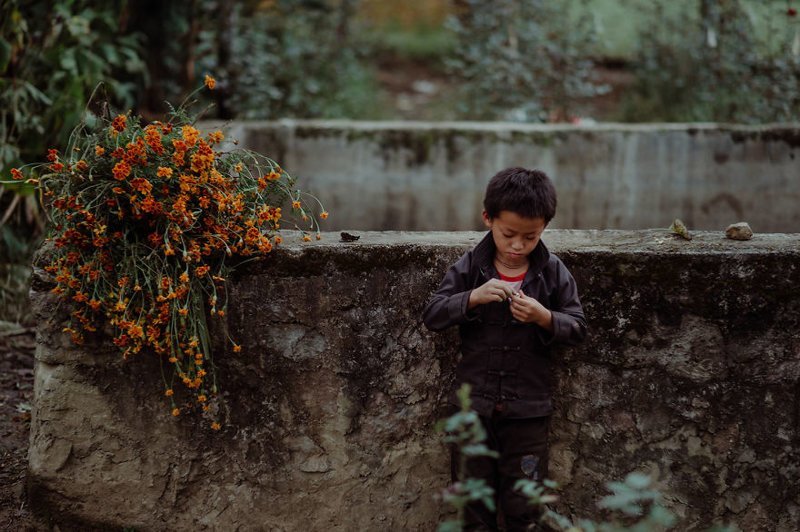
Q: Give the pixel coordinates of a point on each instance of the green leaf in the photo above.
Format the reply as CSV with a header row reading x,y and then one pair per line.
x,y
637,480
450,526
5,54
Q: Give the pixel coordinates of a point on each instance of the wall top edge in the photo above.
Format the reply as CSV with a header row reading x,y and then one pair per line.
x,y
565,240
498,127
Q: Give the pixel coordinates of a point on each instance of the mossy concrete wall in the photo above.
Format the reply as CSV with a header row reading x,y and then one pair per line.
x,y
691,373
424,176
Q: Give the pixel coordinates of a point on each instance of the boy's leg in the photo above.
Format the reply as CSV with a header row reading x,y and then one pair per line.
x,y
523,456
476,515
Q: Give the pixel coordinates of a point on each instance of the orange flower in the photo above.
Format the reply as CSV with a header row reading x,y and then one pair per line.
x,y
169,392
215,426
121,170
201,271
164,172
142,185
190,135
202,398
210,82
215,137
81,166
323,215
306,238
16,174
237,348
176,412
99,151
119,123
295,204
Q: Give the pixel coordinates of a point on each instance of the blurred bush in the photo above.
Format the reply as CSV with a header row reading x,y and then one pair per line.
x,y
716,60
523,60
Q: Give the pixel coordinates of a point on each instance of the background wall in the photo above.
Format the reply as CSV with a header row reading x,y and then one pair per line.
x,y
690,374
432,176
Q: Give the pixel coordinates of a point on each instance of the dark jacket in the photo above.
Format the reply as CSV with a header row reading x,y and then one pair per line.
x,y
507,363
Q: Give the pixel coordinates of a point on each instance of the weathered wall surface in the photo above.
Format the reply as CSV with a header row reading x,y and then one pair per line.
x,y
431,176
690,373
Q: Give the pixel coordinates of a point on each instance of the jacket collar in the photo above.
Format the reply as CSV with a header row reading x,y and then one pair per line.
x,y
483,259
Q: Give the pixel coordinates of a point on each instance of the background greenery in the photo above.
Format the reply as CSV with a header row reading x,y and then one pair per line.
x,y
523,60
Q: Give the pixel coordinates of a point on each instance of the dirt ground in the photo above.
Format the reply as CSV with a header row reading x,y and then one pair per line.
x,y
16,393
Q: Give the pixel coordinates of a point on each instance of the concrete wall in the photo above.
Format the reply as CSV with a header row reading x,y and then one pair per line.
x,y
691,373
431,176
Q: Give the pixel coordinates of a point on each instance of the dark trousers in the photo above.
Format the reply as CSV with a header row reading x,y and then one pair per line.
x,y
522,446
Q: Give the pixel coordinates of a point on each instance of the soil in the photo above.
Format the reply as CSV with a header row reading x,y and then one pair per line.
x,y
16,394
421,90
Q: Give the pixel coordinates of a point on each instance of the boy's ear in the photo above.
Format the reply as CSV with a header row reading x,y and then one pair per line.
x,y
486,220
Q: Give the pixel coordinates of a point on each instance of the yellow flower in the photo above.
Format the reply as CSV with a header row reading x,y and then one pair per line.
x,y
295,204
176,412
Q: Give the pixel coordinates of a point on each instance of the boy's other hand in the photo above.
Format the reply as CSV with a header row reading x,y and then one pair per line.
x,y
529,310
492,291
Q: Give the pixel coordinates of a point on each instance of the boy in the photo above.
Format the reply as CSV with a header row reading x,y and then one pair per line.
x,y
513,300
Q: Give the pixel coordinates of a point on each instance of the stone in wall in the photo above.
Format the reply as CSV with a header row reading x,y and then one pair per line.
x,y
690,374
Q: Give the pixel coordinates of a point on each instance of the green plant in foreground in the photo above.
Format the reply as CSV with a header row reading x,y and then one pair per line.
x,y
635,505
464,430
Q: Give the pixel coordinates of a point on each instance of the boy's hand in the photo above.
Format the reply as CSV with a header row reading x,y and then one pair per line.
x,y
529,310
492,291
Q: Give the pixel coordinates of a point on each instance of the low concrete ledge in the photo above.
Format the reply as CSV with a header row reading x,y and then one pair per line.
x,y
425,176
691,373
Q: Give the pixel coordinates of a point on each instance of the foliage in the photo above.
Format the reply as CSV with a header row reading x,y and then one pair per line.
x,y
145,220
526,60
465,431
635,504
52,56
290,58
723,68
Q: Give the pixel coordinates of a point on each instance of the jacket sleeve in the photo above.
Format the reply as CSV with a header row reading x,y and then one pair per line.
x,y
448,305
569,323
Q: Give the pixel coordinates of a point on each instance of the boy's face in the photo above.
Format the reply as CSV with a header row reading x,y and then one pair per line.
x,y
514,236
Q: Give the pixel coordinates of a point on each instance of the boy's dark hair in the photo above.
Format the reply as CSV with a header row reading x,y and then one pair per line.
x,y
528,193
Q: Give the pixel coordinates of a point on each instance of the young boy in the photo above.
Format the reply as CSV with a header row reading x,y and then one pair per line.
x,y
513,301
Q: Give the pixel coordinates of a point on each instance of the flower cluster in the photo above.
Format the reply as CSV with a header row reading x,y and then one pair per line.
x,y
146,220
